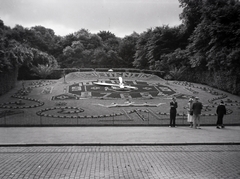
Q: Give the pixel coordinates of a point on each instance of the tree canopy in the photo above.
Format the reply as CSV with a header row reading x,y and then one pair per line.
x,y
207,40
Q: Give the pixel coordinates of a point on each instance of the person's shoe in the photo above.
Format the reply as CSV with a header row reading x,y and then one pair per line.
x,y
222,127
199,127
218,127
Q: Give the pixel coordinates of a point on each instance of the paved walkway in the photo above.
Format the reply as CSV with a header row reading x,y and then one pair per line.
x,y
119,152
118,135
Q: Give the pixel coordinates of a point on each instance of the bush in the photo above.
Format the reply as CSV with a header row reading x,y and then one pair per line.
x,y
86,69
8,80
134,70
119,69
102,69
222,80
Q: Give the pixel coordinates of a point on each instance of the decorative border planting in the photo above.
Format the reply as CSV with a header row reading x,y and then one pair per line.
x,y
10,112
131,104
41,83
218,98
75,110
66,96
7,105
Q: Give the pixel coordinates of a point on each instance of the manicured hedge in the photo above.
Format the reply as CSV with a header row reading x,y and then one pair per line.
x,y
101,69
222,80
85,69
8,80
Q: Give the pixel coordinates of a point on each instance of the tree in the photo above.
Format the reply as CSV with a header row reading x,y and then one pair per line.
x,y
127,49
100,58
178,59
216,36
114,61
105,35
164,40
81,51
74,54
43,39
191,14
13,55
140,57
38,58
154,44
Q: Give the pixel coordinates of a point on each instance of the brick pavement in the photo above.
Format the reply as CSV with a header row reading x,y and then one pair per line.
x,y
121,162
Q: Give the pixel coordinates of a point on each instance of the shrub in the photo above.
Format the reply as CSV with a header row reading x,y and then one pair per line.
x,y
8,80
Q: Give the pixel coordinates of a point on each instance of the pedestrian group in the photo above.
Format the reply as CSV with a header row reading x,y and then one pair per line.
x,y
194,109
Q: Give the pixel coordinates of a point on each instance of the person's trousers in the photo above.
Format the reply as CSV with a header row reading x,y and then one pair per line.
x,y
172,119
220,120
196,120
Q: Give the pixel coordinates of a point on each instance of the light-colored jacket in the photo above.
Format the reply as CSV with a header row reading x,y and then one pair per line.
x,y
190,104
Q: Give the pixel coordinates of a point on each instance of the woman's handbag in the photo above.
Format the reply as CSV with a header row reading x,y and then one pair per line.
x,y
191,113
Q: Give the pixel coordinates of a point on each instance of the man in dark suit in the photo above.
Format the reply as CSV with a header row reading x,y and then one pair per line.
x,y
173,112
197,108
221,111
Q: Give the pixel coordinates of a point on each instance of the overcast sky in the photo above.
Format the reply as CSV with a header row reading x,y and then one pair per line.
x,y
121,17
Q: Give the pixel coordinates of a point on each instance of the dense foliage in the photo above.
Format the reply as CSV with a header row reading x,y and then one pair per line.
x,y
204,48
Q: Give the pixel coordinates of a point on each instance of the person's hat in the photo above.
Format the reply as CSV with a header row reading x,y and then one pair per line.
x,y
196,97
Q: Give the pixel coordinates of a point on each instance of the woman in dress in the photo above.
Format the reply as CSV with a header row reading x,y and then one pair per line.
x,y
190,112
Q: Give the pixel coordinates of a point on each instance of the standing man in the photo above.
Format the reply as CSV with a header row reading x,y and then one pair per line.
x,y
173,112
197,108
221,111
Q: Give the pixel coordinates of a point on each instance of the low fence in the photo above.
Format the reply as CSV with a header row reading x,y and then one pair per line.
x,y
136,118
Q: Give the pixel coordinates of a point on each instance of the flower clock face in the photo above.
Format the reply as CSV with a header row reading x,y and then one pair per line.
x,y
137,89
